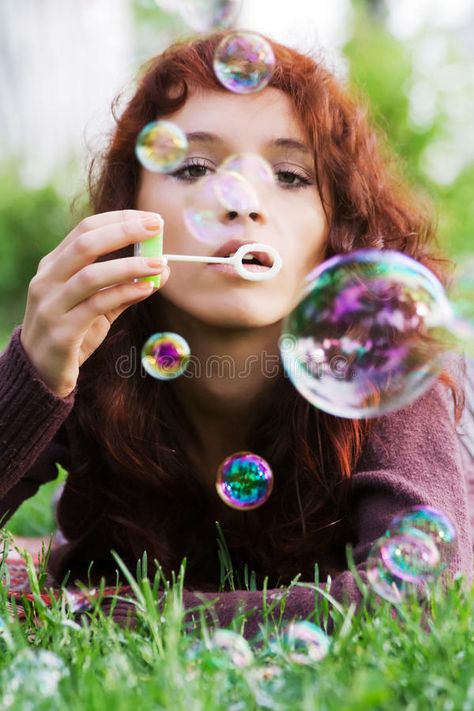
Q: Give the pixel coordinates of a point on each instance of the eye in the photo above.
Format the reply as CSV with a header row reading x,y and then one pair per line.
x,y
291,179
192,170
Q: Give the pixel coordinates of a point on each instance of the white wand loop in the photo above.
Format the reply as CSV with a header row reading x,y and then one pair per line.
x,y
237,261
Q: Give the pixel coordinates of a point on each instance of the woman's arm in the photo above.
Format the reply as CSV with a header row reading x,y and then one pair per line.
x,y
412,457
31,440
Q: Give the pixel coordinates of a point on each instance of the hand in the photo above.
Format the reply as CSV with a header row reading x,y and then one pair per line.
x,y
72,301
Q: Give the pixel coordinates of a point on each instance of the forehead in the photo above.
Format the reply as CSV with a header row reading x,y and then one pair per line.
x,y
261,115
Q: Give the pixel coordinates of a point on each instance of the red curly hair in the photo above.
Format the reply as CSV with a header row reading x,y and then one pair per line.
x,y
156,503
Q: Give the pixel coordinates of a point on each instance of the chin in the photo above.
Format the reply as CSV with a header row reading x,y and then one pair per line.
x,y
230,309
236,317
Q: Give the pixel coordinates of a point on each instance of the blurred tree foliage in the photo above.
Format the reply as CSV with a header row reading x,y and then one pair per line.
x,y
381,69
32,223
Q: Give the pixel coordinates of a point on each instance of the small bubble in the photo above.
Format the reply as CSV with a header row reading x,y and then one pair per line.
x,y
244,62
244,481
161,146
165,355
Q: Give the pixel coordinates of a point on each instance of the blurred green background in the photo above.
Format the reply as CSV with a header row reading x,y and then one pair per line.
x,y
34,220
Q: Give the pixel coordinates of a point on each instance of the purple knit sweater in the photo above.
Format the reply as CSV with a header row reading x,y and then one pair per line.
x,y
412,457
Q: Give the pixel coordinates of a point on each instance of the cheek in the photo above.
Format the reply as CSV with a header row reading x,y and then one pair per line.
x,y
313,236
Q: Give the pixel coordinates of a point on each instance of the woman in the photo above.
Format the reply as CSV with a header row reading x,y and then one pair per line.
x,y
142,454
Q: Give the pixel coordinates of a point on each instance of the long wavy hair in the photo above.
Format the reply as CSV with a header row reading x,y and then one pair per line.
x,y
153,501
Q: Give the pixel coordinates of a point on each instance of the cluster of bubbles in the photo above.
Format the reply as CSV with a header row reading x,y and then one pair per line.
x,y
372,328
33,676
369,335
415,550
244,481
243,63
302,643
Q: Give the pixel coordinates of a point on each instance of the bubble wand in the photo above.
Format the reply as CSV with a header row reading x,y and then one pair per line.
x,y
153,247
237,261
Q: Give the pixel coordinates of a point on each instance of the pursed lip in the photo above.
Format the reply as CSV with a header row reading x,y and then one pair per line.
x,y
233,245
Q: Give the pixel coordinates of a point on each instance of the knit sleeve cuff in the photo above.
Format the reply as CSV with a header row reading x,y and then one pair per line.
x,y
30,413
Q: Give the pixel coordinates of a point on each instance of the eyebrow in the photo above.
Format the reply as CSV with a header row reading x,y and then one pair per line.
x,y
203,137
292,144
288,143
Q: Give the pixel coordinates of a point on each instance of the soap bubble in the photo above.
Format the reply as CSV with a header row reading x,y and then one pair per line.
x,y
369,335
209,202
32,675
244,481
251,166
256,170
431,521
161,146
165,355
204,15
412,555
234,646
303,642
389,586
267,683
244,62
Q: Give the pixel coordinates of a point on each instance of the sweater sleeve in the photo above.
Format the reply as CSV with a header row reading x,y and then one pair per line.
x,y
412,457
32,439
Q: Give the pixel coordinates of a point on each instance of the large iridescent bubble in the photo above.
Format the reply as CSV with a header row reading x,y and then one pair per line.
x,y
165,355
161,146
244,481
369,335
204,15
244,62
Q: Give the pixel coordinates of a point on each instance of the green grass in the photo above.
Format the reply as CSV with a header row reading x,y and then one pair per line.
x,y
376,660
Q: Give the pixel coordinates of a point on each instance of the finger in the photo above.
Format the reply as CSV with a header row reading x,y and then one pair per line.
x,y
108,300
101,275
96,222
90,245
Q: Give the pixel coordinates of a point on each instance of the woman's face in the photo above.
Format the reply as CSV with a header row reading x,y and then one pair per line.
x,y
290,217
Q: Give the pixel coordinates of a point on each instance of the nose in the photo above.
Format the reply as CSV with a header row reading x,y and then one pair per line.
x,y
258,216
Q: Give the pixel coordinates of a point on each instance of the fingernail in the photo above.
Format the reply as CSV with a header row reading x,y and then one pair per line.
x,y
156,262
152,224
